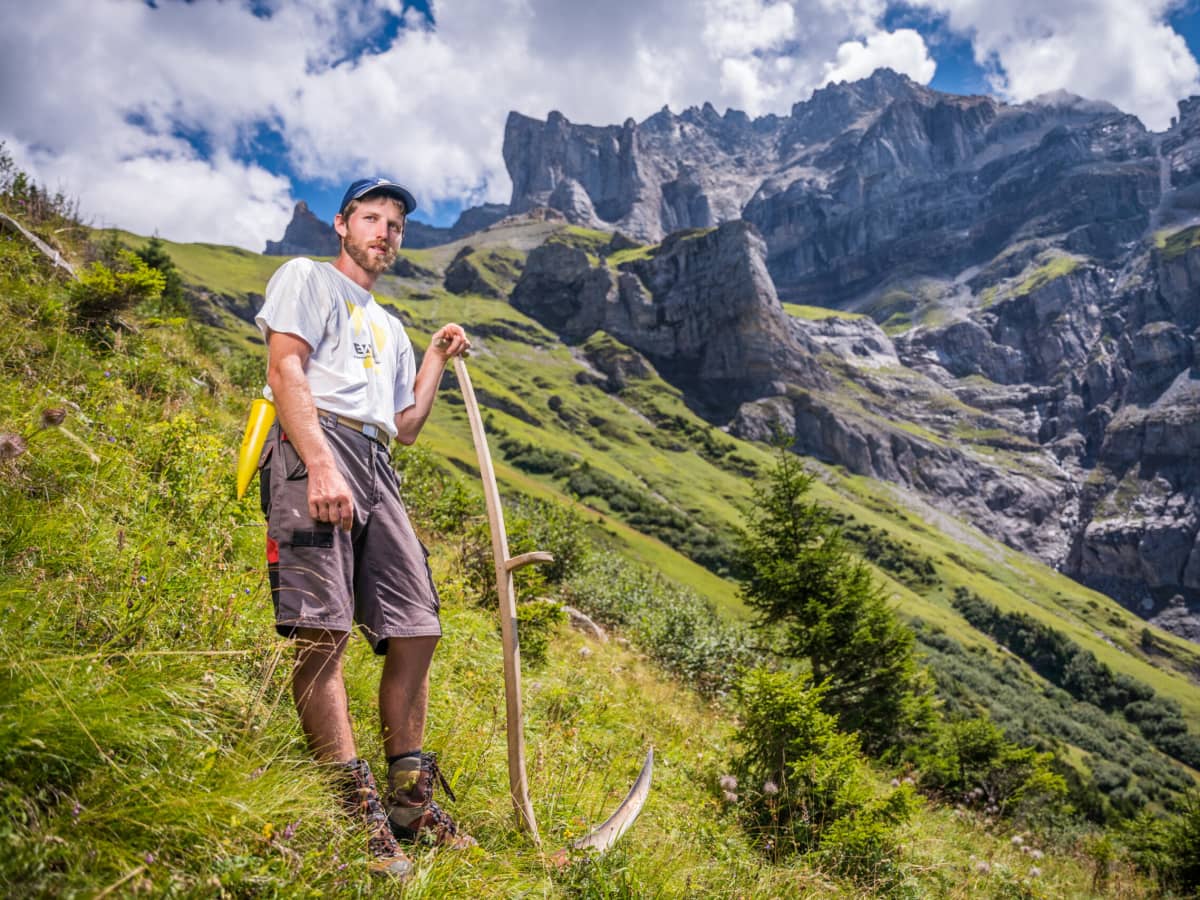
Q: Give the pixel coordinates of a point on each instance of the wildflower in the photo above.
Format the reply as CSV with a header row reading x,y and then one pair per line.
x,y
1036,854
585,652
730,797
149,857
1017,840
983,867
727,783
76,810
895,782
289,831
1034,871
107,373
246,590
11,445
141,579
770,788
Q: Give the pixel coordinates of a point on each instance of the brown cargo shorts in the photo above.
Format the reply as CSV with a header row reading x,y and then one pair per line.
x,y
376,575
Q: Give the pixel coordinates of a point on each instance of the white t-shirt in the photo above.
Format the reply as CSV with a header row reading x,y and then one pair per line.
x,y
362,364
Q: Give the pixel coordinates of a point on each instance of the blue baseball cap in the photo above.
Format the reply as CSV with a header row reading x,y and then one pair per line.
x,y
365,186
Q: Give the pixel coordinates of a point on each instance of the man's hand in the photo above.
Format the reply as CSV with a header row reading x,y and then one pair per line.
x,y
329,498
449,341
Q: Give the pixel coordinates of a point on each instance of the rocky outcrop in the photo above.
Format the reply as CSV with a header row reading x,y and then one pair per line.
x,y
702,309
305,235
464,276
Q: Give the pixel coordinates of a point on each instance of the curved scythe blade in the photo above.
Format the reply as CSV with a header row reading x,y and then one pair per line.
x,y
603,837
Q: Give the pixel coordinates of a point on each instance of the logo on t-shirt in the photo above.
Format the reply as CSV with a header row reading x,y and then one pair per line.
x,y
367,337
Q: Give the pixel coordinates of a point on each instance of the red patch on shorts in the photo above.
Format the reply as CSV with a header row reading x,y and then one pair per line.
x,y
272,550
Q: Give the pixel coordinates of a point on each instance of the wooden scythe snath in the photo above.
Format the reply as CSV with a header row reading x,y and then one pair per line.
x,y
603,837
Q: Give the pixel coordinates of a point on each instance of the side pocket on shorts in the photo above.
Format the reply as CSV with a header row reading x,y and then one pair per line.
x,y
293,465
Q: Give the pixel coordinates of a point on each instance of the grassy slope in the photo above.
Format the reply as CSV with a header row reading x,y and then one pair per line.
x,y
147,741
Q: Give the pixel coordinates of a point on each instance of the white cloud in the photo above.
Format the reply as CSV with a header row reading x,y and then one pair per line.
x,y
903,50
98,95
1112,50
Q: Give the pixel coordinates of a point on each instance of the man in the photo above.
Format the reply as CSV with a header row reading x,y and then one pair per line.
x,y
340,548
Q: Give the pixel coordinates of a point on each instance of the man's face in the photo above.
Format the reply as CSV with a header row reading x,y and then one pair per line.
x,y
371,234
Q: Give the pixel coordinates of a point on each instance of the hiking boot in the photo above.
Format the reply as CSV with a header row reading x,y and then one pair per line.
x,y
360,799
412,812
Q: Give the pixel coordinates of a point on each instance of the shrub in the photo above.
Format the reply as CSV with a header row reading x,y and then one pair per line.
x,y
675,627
806,783
102,294
536,622
1169,849
974,763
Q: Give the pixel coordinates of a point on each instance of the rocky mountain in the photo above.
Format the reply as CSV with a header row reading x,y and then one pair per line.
x,y
1010,292
307,235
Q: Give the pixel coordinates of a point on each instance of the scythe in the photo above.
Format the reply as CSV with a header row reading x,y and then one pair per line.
x,y
604,836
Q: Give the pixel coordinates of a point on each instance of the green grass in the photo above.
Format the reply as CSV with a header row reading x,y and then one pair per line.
x,y
1172,245
816,313
1057,267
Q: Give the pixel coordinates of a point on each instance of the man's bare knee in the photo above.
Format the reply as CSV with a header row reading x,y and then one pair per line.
x,y
318,659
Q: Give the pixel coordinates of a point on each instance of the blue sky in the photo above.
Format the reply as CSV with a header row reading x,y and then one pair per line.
x,y
208,120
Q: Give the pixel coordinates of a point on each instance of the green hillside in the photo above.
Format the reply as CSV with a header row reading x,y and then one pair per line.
x,y
147,742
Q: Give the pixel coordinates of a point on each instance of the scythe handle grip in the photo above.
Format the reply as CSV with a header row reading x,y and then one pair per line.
x,y
528,559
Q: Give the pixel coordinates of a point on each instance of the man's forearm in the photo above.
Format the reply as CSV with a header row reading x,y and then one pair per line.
x,y
298,414
409,422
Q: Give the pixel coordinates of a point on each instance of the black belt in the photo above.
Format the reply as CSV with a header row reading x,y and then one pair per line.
x,y
374,432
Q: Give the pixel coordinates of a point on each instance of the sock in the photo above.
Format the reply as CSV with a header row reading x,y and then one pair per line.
x,y
392,759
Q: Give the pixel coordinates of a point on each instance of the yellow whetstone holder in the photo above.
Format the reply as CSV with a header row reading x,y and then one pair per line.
x,y
262,417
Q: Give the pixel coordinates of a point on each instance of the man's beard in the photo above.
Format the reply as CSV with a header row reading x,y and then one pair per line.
x,y
361,254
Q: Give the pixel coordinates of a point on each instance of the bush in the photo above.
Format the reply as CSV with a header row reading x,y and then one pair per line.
x,y
1169,849
678,629
806,783
536,622
102,294
973,763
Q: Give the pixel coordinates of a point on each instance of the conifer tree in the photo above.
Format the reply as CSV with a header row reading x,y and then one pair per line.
x,y
800,577
154,255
